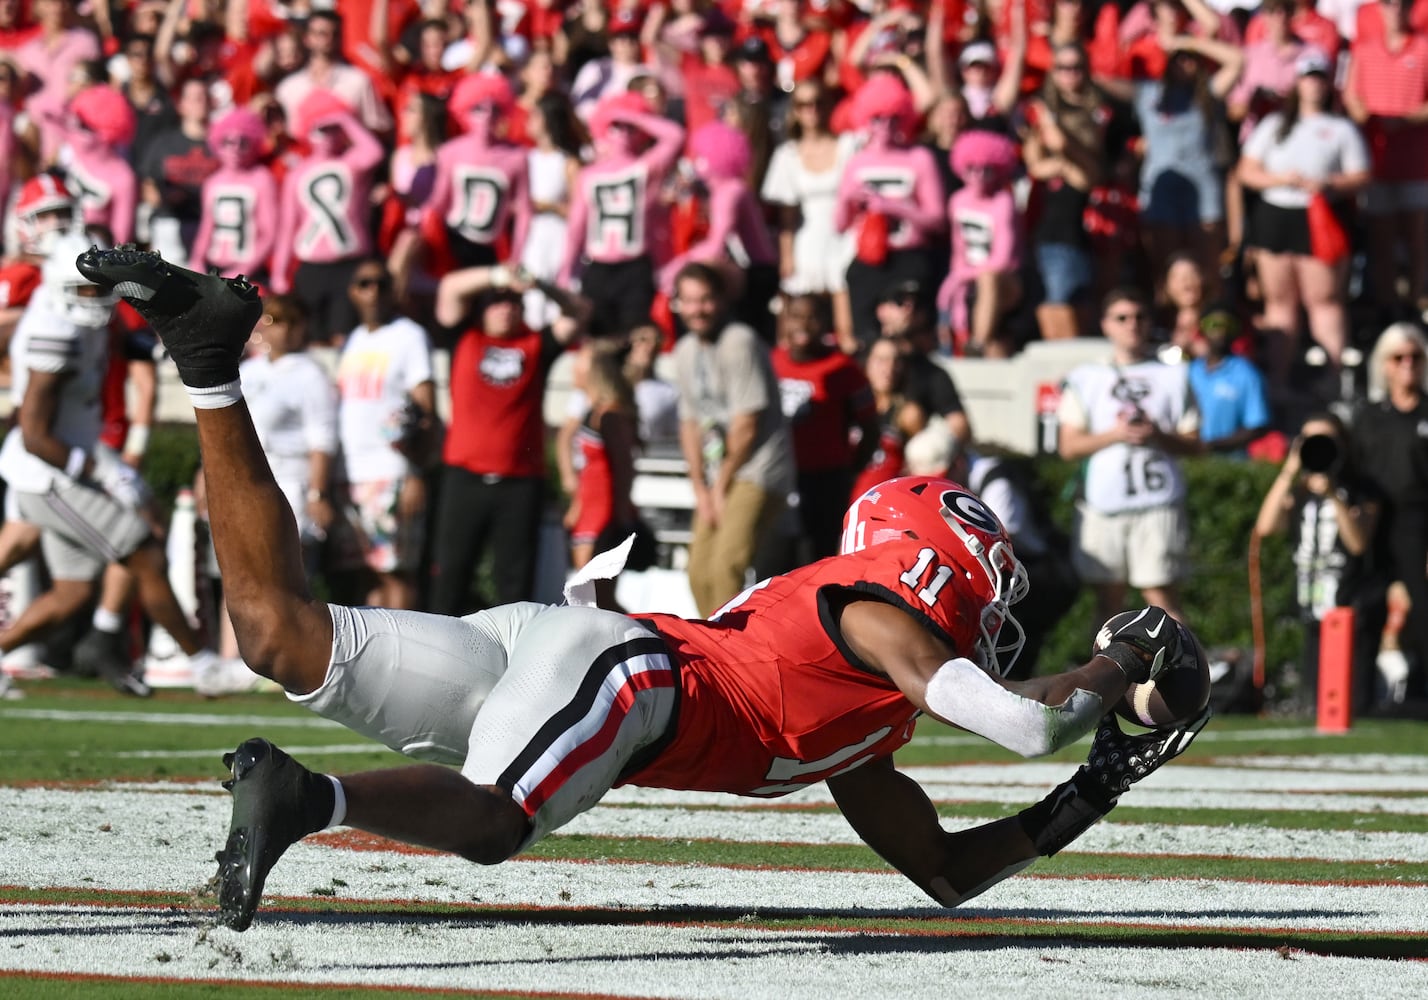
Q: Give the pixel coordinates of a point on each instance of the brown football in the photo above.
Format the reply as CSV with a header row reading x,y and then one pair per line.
x,y
1173,698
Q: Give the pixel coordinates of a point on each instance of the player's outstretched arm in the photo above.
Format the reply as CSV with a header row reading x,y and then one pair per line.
x,y
894,816
1031,717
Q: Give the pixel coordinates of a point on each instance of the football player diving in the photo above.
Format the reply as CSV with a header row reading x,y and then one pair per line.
x,y
817,675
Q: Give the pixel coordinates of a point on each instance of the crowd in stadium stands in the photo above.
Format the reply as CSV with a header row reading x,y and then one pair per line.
x,y
813,204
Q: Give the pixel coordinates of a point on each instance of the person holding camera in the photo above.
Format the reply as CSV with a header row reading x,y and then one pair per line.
x,y
1330,513
1390,445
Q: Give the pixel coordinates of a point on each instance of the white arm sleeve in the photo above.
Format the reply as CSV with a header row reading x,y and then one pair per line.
x,y
966,696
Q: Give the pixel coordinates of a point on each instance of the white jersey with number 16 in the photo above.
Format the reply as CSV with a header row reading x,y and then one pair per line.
x,y
1125,477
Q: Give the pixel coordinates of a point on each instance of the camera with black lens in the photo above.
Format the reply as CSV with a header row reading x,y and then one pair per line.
x,y
1321,453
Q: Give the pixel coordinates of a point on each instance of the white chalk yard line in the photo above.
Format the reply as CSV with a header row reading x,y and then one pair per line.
x,y
690,891
161,836
208,753
675,962
164,842
175,718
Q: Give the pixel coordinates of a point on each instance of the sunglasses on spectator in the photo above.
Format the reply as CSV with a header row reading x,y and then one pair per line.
x,y
1074,67
807,102
366,283
1412,357
1127,317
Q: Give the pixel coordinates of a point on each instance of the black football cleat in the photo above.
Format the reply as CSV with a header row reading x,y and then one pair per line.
x,y
272,799
102,654
203,319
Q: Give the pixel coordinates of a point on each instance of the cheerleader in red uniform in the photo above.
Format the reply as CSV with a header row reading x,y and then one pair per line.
x,y
601,511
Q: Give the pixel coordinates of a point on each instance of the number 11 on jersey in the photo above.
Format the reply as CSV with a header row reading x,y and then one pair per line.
x,y
915,575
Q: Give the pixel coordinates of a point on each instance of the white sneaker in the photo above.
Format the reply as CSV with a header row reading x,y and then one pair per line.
x,y
27,671
8,692
214,677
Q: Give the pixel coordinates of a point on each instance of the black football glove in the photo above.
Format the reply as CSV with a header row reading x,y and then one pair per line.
x,y
1116,762
1142,643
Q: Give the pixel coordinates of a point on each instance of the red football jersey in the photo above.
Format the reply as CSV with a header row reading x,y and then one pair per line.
x,y
18,281
772,700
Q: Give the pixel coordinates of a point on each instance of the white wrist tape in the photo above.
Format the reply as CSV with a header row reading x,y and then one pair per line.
x,y
966,696
136,441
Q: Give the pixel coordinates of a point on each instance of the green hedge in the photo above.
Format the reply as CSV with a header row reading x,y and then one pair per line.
x,y
1224,497
171,461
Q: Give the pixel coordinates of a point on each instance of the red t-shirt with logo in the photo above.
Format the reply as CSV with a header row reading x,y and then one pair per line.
x,y
497,384
822,399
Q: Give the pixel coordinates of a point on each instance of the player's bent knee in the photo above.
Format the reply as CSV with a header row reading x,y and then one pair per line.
x,y
497,829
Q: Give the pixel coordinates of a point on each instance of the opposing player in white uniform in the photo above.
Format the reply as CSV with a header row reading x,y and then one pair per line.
x,y
63,480
1130,418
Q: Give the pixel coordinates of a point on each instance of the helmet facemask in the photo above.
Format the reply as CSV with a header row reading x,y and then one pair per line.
x,y
1007,577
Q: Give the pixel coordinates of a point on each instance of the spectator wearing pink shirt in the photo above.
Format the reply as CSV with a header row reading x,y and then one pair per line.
x,y
323,221
738,239
613,211
482,182
986,246
49,58
239,225
1387,95
889,182
101,126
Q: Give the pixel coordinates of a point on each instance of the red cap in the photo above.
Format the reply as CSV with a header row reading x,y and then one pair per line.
x,y
624,22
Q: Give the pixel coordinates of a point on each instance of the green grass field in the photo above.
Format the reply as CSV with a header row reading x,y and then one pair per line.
x,y
1266,842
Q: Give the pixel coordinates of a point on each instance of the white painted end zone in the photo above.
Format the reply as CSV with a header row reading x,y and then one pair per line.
x,y
164,842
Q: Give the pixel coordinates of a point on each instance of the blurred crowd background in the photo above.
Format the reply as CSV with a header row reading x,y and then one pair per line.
x,y
758,235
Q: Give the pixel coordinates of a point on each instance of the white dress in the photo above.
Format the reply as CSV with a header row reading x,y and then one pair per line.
x,y
821,254
545,240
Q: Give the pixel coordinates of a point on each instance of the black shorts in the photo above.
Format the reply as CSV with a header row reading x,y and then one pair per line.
x,y
1280,230
467,253
620,294
322,289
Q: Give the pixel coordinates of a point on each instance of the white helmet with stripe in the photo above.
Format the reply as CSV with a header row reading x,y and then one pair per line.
x,y
70,293
44,210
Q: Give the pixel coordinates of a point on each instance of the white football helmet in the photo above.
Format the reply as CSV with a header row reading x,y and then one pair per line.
x,y
44,211
70,293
